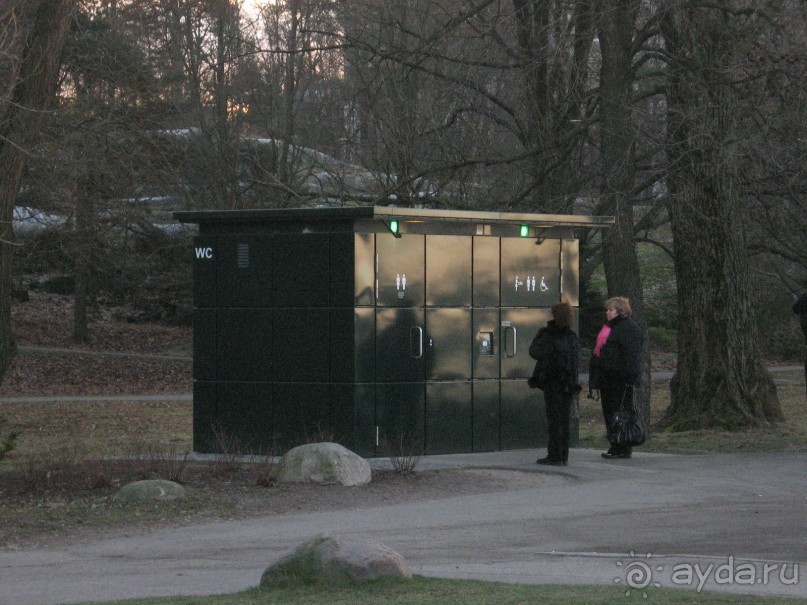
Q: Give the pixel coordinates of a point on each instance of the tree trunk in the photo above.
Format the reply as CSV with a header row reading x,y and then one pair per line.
x,y
46,23
721,380
289,95
553,97
83,261
617,24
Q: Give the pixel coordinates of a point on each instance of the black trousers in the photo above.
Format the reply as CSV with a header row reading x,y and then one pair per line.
x,y
612,396
558,406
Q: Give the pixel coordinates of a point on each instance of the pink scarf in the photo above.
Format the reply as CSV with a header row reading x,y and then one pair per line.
x,y
605,332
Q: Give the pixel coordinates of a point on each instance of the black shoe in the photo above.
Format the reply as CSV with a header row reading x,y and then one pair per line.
x,y
550,462
610,455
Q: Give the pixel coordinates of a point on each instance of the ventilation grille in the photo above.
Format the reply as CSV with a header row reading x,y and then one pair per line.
x,y
243,256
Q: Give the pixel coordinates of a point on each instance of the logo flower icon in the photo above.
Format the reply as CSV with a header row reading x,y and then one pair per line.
x,y
638,574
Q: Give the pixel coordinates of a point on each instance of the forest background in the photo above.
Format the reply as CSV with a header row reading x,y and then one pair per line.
x,y
684,120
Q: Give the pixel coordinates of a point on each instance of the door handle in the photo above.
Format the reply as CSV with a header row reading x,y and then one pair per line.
x,y
510,342
416,342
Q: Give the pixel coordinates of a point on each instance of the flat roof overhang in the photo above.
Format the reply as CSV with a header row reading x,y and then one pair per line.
x,y
386,213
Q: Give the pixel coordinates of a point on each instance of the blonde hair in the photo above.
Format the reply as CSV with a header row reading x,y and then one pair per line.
x,y
620,304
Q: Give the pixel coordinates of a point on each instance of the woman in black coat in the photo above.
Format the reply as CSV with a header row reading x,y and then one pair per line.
x,y
615,365
556,350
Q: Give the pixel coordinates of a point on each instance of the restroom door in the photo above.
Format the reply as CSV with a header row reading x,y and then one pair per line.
x,y
400,345
518,328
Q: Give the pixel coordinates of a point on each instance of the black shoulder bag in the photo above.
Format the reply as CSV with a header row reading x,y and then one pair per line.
x,y
628,426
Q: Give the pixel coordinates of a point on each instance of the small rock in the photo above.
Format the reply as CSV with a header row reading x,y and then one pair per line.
x,y
151,489
324,463
337,559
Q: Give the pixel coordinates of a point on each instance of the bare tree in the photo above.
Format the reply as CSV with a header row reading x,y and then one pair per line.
x,y
774,170
721,379
33,35
618,135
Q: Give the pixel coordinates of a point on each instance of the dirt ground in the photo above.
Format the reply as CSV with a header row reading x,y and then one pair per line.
x,y
58,484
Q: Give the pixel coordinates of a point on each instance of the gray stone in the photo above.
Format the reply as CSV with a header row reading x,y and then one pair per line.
x,y
337,559
150,489
323,463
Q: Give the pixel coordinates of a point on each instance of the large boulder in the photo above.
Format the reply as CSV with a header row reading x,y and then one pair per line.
x,y
337,559
323,463
150,489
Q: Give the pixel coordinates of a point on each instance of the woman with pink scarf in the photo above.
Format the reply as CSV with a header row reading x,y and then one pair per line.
x,y
615,365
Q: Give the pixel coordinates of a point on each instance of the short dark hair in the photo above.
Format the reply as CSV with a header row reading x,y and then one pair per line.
x,y
563,315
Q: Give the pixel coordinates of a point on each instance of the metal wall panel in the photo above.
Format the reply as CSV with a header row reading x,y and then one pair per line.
x,y
401,274
530,272
342,270
301,270
400,345
343,414
204,344
486,271
523,419
400,418
518,328
300,345
244,344
448,418
570,271
364,334
448,266
364,421
448,344
342,345
300,413
205,398
486,343
244,270
485,412
205,259
244,416
364,268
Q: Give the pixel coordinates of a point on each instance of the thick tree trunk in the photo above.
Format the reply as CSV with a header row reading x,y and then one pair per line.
x,y
46,23
721,380
618,166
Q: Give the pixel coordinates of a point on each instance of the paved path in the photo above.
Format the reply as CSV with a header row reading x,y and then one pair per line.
x,y
729,522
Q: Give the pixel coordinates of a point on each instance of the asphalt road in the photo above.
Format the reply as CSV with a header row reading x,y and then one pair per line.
x,y
730,522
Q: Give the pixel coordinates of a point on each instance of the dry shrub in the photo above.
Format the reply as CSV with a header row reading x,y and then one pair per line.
x,y
7,440
263,466
39,469
227,448
160,462
101,472
403,454
320,435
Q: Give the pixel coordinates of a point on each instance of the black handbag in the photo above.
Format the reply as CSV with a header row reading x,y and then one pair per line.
x,y
627,425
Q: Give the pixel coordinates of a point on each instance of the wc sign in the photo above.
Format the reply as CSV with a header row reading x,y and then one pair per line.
x,y
204,253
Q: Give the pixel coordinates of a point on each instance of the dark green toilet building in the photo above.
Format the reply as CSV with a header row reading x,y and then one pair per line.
x,y
375,326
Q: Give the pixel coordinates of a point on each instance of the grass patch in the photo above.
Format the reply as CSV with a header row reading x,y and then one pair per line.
x,y
435,591
103,428
790,435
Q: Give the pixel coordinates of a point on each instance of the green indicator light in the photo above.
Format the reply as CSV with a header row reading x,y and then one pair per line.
x,y
393,227
524,231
